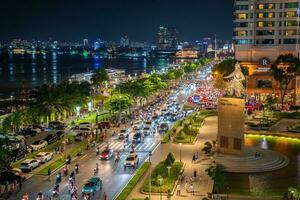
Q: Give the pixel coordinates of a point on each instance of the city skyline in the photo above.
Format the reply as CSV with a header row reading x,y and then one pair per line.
x,y
66,21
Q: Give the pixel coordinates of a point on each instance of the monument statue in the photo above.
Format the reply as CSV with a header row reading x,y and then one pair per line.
x,y
236,78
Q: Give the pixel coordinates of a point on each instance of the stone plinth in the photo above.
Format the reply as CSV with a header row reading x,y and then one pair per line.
x,y
231,125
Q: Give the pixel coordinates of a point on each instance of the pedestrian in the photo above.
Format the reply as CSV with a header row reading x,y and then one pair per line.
x,y
169,194
186,185
195,173
104,196
169,137
49,173
194,158
20,184
197,155
192,188
178,190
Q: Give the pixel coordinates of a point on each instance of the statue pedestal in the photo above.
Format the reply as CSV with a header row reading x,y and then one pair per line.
x,y
231,125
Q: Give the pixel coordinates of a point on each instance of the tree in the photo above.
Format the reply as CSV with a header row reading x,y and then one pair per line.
x,y
119,102
5,155
216,174
220,83
270,101
284,70
99,77
170,159
225,67
207,148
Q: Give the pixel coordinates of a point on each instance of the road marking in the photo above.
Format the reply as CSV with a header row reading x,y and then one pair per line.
x,y
83,156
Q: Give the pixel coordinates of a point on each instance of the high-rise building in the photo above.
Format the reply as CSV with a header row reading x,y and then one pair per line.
x,y
167,38
124,41
263,30
85,42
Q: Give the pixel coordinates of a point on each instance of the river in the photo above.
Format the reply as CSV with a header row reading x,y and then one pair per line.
x,y
33,70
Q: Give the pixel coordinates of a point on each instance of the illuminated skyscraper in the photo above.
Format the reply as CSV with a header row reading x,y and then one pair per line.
x,y
85,42
167,38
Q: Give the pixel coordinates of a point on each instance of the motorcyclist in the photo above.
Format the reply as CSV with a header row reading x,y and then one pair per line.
x,y
66,170
117,157
77,168
40,196
96,169
58,177
56,190
97,151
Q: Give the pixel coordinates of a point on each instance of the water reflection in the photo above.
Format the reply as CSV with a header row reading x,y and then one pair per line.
x,y
270,183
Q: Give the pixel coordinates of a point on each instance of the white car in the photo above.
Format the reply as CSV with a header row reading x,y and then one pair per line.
x,y
132,160
44,157
38,144
85,125
137,125
29,165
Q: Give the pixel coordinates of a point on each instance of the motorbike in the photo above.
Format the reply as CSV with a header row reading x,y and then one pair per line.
x,y
68,160
77,168
96,169
55,191
66,171
58,177
40,196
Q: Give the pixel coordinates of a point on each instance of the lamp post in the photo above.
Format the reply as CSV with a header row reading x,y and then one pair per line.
x,y
169,169
150,154
180,144
160,183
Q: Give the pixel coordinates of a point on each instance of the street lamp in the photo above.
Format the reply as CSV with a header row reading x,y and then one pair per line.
x,y
169,169
77,110
180,144
150,154
89,106
160,183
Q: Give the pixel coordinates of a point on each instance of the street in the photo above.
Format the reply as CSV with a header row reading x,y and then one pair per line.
x,y
113,175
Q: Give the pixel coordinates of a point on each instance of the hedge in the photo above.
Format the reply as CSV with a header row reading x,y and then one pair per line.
x,y
165,139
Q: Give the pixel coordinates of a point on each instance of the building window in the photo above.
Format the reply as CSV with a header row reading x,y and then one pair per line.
x,y
237,144
265,41
265,32
243,41
241,16
265,24
241,24
291,5
290,32
262,6
241,7
290,14
289,41
264,84
223,142
240,33
290,23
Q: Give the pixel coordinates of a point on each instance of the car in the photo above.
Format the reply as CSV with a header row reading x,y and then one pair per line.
x,y
106,154
85,125
50,138
27,133
85,130
29,165
137,138
105,124
18,172
44,157
56,125
37,128
60,134
123,134
132,160
163,128
93,185
39,144
79,137
137,125
146,131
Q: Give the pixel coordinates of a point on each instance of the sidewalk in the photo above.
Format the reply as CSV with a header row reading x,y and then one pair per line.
x,y
203,184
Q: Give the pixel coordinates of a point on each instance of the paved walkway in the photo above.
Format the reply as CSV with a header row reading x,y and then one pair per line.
x,y
202,184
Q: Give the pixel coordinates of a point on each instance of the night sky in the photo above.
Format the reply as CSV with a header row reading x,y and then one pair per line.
x,y
73,20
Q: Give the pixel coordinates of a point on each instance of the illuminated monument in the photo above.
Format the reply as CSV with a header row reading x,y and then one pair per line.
x,y
231,115
232,154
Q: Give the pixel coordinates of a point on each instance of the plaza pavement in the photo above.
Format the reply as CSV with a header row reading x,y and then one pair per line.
x,y
203,184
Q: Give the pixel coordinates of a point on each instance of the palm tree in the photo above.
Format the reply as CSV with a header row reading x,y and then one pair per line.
x,y
99,78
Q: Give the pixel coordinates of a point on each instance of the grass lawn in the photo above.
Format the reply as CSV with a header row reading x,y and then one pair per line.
x,y
188,139
167,183
92,118
61,161
135,179
165,138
